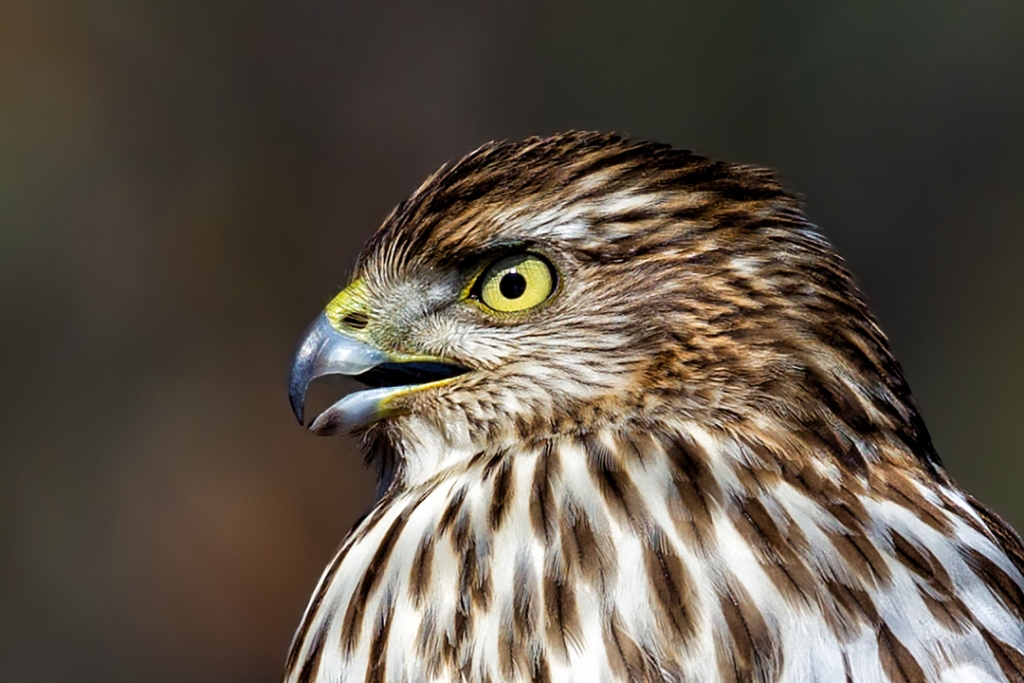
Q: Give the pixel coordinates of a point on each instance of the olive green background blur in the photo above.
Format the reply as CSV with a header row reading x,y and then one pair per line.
x,y
184,184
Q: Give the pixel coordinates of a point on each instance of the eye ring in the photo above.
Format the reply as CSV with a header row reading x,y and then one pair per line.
x,y
514,283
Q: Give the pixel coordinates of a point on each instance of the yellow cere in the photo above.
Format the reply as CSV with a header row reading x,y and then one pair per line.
x,y
516,283
351,300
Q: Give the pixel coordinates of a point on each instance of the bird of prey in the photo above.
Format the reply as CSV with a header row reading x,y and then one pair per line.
x,y
634,421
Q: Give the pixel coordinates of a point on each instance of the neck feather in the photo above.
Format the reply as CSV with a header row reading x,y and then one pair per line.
x,y
645,555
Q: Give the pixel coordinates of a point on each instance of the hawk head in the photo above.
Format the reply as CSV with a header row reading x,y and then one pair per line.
x,y
635,422
567,284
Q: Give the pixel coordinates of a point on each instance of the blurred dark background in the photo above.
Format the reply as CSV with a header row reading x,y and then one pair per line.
x,y
184,184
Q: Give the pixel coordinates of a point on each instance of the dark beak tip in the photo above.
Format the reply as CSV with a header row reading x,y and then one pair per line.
x,y
297,401
297,397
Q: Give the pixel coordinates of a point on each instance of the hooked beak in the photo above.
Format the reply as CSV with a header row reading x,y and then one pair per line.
x,y
326,351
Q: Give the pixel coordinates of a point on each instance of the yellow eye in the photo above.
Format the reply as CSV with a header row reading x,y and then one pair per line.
x,y
516,283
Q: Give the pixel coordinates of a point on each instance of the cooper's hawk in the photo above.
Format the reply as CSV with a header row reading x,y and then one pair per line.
x,y
634,422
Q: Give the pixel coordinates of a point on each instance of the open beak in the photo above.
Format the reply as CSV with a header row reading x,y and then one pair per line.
x,y
326,351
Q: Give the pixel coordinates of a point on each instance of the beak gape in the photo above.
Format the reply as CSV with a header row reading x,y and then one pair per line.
x,y
325,351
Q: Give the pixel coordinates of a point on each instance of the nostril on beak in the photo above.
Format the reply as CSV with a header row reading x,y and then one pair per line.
x,y
355,320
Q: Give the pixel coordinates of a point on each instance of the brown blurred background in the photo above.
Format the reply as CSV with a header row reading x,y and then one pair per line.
x,y
184,184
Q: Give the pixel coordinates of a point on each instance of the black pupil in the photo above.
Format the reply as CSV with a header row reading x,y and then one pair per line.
x,y
512,285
